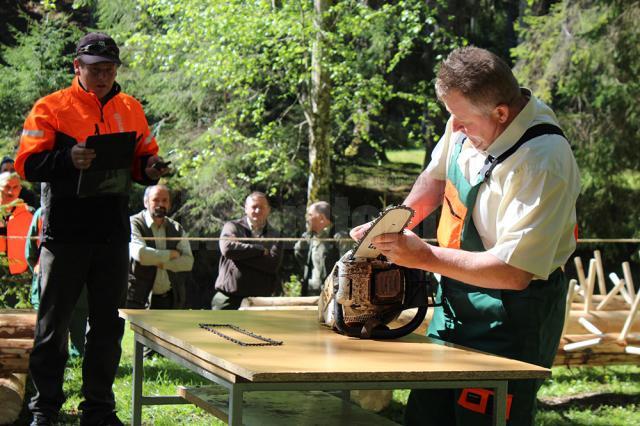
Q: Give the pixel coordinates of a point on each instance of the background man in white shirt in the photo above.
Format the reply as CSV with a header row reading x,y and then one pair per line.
x,y
158,267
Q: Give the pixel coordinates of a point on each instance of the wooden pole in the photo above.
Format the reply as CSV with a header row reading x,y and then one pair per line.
x,y
616,288
280,301
567,311
588,291
580,271
630,318
628,278
600,270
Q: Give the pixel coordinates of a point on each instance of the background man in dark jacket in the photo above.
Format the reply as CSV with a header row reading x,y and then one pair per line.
x,y
158,267
247,268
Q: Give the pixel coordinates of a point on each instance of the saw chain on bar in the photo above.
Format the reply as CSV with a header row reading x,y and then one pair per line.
x,y
265,341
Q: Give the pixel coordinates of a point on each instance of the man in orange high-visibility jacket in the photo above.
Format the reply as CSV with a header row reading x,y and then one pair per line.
x,y
85,234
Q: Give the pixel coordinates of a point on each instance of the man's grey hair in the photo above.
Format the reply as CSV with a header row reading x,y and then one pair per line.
x,y
323,208
480,76
256,194
148,189
5,177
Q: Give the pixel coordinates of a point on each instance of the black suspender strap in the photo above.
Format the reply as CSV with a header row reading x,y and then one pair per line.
x,y
531,133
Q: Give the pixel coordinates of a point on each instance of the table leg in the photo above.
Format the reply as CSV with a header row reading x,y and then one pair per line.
x,y
138,377
500,405
235,406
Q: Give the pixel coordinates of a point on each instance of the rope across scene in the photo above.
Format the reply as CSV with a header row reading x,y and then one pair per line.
x,y
294,239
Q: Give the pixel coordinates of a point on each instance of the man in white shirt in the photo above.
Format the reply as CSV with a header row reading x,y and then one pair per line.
x,y
507,182
159,260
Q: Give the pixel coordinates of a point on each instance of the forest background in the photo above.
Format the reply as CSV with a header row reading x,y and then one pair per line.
x,y
305,100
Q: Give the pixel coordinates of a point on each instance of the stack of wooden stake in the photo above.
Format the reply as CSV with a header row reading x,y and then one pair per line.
x,y
600,329
16,341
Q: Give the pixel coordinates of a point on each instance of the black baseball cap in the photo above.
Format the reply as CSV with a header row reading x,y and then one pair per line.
x,y
97,47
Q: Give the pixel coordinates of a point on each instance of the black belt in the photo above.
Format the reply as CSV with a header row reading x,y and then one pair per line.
x,y
165,294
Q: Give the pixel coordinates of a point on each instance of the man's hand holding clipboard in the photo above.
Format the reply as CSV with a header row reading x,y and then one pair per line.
x,y
105,163
82,156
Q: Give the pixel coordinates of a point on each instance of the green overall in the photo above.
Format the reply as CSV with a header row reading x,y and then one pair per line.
x,y
523,325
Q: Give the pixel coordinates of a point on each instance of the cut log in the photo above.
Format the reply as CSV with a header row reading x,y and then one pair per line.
x,y
17,324
605,321
11,396
617,303
17,329
608,351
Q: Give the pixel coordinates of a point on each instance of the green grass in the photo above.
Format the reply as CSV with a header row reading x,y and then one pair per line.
x,y
409,156
574,396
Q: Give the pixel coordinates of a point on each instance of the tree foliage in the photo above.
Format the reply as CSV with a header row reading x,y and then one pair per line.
x,y
583,58
39,64
231,82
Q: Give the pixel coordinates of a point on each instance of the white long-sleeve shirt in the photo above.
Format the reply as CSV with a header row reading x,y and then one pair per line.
x,y
159,256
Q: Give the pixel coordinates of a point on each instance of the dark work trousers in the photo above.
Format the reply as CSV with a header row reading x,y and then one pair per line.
x,y
65,268
162,301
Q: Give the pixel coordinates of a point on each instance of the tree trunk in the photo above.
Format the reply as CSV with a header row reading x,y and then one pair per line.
x,y
11,396
319,184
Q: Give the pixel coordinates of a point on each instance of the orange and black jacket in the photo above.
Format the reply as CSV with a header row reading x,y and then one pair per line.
x,y
55,124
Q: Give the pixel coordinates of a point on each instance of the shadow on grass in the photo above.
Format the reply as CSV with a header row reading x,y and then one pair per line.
x,y
597,375
589,401
159,368
394,412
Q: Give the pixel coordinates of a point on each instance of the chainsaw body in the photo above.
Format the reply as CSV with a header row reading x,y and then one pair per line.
x,y
373,293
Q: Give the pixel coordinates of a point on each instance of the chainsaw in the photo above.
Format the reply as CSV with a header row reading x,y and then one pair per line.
x,y
365,292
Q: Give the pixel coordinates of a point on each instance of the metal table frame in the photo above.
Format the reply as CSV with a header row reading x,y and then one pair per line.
x,y
237,389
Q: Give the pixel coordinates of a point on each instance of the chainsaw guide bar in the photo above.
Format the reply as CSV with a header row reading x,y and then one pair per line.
x,y
392,220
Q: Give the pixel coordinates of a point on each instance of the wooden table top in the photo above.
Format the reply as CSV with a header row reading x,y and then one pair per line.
x,y
312,352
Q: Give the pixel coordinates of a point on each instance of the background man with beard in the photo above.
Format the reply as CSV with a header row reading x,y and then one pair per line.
x,y
157,266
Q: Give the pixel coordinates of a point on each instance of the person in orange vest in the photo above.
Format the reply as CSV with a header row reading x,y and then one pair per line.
x,y
28,196
506,183
85,222
15,218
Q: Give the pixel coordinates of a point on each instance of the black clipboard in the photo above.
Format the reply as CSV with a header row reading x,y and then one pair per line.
x,y
110,170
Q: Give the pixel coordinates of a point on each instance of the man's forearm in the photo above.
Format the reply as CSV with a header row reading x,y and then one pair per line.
x,y
481,269
425,196
148,256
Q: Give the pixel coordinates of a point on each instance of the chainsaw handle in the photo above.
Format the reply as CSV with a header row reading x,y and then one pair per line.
x,y
377,333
